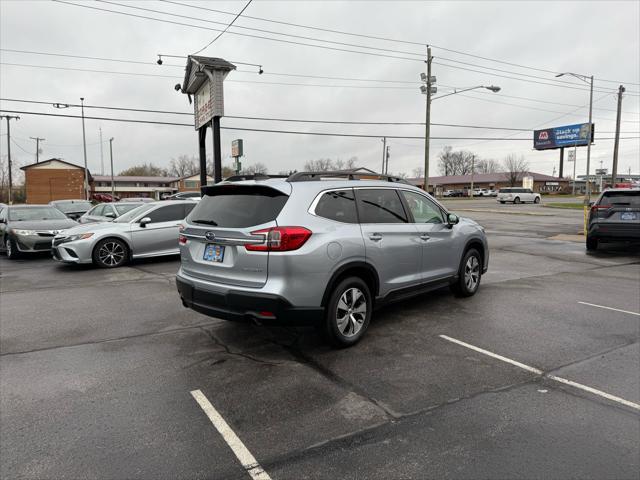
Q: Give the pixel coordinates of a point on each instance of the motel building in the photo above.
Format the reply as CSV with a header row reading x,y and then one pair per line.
x,y
57,179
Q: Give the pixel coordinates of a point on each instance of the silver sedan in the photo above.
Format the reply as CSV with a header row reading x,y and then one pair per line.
x,y
147,231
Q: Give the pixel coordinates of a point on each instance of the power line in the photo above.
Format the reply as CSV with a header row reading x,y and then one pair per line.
x,y
374,37
291,84
274,119
240,34
355,135
321,77
272,32
226,28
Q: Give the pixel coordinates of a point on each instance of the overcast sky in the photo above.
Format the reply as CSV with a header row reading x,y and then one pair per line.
x,y
599,38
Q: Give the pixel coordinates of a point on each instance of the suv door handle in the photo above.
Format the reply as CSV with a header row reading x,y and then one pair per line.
x,y
376,237
424,236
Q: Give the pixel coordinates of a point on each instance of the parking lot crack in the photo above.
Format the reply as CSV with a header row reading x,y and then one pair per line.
x,y
228,350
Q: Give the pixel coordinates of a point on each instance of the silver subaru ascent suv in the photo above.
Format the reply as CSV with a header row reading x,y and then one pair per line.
x,y
322,248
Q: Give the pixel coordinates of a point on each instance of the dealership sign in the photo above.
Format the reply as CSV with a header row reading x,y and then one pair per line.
x,y
558,137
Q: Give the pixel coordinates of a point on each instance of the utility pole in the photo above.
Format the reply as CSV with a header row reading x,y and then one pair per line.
x,y
473,162
590,133
38,140
9,118
113,188
101,154
384,152
614,169
386,169
84,144
427,128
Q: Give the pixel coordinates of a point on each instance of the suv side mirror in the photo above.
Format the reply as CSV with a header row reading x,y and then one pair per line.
x,y
452,219
110,215
143,221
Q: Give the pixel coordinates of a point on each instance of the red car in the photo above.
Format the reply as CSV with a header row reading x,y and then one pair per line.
x,y
105,197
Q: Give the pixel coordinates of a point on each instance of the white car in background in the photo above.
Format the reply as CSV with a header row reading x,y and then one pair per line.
x,y
518,195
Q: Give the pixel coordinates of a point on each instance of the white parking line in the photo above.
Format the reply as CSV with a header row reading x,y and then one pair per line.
x,y
610,308
247,460
540,372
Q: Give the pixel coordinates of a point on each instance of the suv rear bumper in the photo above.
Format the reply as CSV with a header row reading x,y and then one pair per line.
x,y
617,231
237,305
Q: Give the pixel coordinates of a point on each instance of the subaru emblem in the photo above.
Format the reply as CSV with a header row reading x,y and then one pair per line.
x,y
210,236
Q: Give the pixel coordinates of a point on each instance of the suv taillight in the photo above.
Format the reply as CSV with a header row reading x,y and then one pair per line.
x,y
280,239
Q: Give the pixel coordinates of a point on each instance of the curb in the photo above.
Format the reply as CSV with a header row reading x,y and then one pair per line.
x,y
486,210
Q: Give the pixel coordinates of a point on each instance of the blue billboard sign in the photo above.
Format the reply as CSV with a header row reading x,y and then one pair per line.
x,y
558,137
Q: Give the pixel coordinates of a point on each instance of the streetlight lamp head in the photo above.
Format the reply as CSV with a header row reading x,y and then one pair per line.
x,y
559,75
493,88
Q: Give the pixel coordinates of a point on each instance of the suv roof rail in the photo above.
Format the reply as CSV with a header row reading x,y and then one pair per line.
x,y
256,176
349,174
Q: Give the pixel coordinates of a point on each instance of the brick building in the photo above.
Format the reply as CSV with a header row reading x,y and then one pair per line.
x,y
53,179
190,183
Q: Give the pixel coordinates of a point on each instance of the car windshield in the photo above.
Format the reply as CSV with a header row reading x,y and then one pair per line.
x,y
131,214
66,207
631,198
127,207
35,213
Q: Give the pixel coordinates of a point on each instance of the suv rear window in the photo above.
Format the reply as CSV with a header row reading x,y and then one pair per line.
x,y
238,206
631,198
338,205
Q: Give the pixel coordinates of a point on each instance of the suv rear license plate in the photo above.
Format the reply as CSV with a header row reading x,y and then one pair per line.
x,y
213,253
628,216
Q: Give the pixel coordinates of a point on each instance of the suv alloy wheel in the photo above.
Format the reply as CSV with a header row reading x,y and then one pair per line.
x,y
348,312
516,200
469,274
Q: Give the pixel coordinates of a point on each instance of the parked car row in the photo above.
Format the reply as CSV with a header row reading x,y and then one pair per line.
x,y
107,235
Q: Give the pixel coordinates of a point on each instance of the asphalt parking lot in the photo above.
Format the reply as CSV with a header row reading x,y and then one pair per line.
x,y
98,367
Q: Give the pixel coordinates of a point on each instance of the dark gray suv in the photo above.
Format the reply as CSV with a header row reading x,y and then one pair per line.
x,y
322,249
614,216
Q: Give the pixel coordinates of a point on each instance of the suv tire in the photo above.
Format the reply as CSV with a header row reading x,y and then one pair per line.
x,y
110,253
516,200
12,249
536,200
592,243
348,312
469,274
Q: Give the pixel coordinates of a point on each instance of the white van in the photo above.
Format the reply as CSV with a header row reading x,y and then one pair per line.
x,y
517,195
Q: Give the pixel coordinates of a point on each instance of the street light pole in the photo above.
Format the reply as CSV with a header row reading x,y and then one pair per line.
x,y
113,188
584,78
588,199
84,146
384,152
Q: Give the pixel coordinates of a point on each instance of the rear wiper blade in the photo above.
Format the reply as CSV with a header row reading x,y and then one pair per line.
x,y
206,222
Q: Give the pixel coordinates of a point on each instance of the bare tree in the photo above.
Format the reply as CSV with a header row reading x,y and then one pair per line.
x,y
351,163
319,165
184,166
256,168
452,162
515,166
144,170
487,166
418,172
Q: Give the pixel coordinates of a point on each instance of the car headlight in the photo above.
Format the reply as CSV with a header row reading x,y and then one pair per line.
x,y
23,232
80,236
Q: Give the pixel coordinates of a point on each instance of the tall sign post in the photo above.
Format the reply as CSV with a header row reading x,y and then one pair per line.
x,y
237,151
572,158
203,79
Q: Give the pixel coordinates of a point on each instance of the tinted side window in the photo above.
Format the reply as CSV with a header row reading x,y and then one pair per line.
x,y
380,206
422,209
167,214
99,211
187,209
339,206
